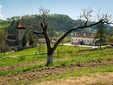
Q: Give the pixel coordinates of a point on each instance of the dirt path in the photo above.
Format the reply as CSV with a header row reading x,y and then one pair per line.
x,y
47,71
3,68
94,79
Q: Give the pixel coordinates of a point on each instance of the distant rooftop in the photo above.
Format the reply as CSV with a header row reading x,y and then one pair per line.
x,y
83,34
20,25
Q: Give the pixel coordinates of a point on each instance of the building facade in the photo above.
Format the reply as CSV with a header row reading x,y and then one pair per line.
x,y
82,38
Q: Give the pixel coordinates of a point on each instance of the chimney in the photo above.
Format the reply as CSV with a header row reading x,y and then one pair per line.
x,y
75,34
84,34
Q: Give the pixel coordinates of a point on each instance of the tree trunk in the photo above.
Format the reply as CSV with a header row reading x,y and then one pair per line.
x,y
49,59
100,45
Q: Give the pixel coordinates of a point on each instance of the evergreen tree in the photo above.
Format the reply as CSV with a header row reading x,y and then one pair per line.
x,y
101,35
24,41
31,39
3,46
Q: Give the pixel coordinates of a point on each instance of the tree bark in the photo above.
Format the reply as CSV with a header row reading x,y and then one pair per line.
x,y
49,59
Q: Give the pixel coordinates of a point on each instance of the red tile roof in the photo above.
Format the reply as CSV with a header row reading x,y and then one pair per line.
x,y
110,41
83,34
20,25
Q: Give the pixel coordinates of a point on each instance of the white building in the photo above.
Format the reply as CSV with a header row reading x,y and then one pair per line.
x,y
82,38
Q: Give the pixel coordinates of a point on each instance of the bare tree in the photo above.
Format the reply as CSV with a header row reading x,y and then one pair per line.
x,y
86,15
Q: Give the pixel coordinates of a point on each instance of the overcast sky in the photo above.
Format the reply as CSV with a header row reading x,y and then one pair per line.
x,y
72,8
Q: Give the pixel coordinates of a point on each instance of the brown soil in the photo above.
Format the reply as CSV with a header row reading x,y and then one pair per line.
x,y
94,79
47,71
11,67
3,68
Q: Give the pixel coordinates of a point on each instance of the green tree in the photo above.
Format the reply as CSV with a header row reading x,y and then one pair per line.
x,y
12,28
2,36
3,46
110,37
101,35
31,41
24,41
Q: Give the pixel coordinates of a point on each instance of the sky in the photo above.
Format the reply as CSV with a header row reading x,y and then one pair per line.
x,y
72,8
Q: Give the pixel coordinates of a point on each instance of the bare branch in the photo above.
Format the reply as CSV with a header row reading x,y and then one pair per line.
x,y
105,18
86,23
44,26
87,14
43,11
80,19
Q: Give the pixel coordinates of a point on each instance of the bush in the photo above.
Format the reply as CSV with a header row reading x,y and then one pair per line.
x,y
4,48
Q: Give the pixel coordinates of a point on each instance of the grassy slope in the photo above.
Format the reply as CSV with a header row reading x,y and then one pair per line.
x,y
20,57
32,54
71,54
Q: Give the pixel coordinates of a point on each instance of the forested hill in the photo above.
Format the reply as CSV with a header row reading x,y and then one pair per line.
x,y
4,24
56,22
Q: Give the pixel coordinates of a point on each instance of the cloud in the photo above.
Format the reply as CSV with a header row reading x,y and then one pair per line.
x,y
1,16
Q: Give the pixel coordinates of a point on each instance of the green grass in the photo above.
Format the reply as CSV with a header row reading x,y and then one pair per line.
x,y
32,54
72,60
5,61
26,55
72,55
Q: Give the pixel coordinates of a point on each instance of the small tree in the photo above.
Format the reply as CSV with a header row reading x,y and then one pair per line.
x,y
4,48
24,41
101,35
31,39
44,25
2,36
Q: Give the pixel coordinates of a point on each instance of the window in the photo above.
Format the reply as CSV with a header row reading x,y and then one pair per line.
x,y
21,32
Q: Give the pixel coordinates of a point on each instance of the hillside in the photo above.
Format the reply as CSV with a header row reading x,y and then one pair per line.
x,y
56,22
28,66
4,24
